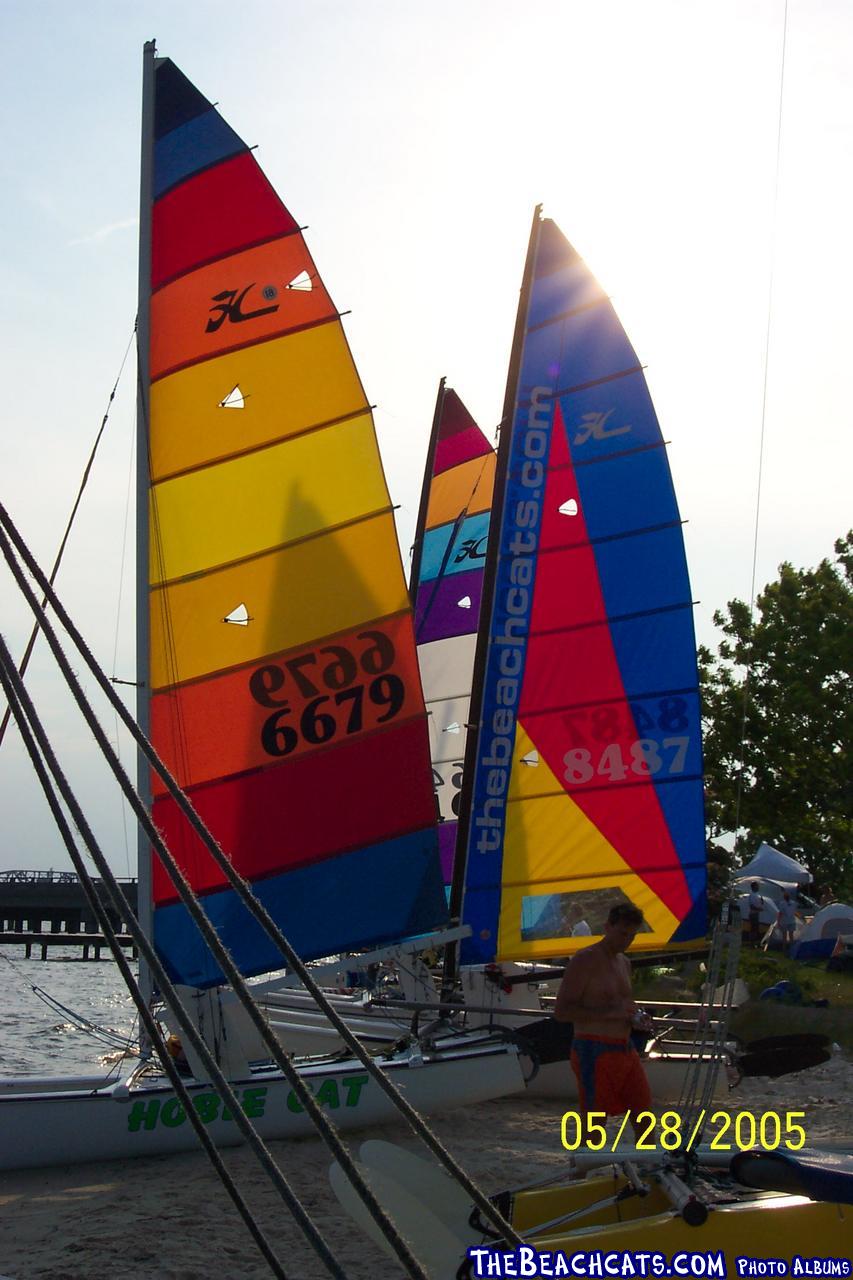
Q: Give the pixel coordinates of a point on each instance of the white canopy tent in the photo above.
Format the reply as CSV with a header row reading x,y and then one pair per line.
x,y
775,865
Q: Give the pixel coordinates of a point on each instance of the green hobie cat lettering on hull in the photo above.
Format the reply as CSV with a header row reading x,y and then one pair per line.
x,y
149,1114
329,1095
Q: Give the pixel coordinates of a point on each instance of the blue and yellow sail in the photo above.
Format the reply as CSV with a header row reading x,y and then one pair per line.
x,y
586,780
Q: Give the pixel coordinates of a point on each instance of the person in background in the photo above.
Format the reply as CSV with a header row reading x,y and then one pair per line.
x,y
580,928
755,906
595,995
786,921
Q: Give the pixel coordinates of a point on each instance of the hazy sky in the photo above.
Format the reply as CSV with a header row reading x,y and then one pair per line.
x,y
414,141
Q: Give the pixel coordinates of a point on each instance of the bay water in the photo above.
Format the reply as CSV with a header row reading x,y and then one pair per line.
x,y
37,1039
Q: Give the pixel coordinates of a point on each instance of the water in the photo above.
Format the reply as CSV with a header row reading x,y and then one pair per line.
x,y
38,1040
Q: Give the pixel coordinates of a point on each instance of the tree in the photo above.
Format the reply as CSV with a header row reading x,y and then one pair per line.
x,y
778,719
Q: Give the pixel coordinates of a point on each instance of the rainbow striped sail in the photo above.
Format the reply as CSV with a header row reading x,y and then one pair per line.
x,y
587,786
285,693
447,588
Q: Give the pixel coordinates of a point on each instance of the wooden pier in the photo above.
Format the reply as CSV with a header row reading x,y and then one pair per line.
x,y
40,910
93,943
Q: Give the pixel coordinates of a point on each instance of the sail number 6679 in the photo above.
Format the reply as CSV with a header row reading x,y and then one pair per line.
x,y
309,675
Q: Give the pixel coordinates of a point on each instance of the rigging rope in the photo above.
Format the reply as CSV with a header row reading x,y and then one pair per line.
x,y
258,911
746,683
300,1088
40,751
222,956
25,661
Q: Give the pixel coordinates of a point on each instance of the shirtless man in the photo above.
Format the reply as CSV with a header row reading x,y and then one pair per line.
x,y
595,995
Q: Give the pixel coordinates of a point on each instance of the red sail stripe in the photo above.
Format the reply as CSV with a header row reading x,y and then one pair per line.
x,y
310,809
218,212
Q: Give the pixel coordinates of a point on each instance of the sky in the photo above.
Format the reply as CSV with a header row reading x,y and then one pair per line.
x,y
414,142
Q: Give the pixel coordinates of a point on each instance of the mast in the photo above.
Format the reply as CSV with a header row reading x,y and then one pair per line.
x,y
144,897
417,549
460,862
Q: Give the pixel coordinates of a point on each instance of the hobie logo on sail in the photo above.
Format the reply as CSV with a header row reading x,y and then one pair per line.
x,y
472,549
593,426
229,306
511,621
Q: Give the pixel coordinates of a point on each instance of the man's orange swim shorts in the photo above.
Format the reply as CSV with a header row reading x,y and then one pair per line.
x,y
610,1075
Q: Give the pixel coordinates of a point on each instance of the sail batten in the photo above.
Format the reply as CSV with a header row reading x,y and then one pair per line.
x,y
283,677
571,804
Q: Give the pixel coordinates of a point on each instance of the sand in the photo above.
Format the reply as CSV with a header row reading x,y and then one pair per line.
x,y
168,1218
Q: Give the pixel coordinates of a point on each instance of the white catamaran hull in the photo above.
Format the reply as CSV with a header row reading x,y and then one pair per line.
x,y
306,1032
147,1119
303,1029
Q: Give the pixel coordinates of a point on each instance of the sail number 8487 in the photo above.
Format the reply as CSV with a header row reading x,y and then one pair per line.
x,y
645,758
324,714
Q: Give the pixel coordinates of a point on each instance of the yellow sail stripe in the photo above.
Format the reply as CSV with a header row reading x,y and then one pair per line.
x,y
266,498
321,586
288,384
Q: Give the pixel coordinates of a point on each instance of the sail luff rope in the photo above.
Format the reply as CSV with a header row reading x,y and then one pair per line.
x,y
25,660
211,937
774,233
40,752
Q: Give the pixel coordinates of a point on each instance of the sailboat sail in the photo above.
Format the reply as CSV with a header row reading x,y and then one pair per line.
x,y
588,781
285,693
446,588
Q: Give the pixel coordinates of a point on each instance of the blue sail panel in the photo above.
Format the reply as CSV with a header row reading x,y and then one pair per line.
x,y
588,780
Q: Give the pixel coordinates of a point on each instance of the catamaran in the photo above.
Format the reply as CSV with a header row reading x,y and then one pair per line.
x,y
565,655
278,678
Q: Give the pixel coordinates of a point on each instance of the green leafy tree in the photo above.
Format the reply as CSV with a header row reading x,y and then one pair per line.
x,y
778,715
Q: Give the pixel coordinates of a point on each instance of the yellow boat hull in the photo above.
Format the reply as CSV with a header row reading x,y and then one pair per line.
x,y
764,1225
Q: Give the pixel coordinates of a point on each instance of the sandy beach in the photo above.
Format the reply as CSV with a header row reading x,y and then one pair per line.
x,y
169,1218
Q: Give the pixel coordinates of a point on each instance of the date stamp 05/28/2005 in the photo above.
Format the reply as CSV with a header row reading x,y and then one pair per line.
x,y
740,1132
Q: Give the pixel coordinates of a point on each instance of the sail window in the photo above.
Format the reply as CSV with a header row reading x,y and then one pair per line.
x,y
531,759
563,915
453,728
302,283
569,508
234,400
464,603
238,617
